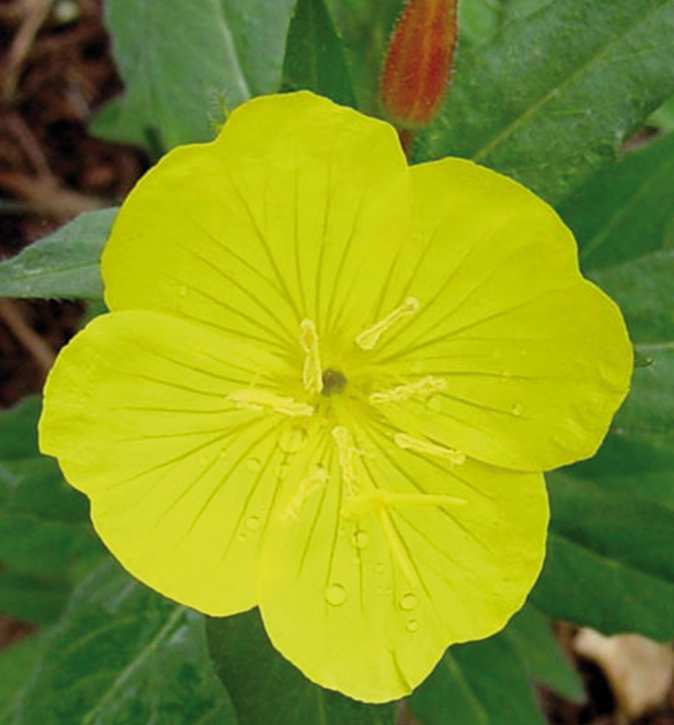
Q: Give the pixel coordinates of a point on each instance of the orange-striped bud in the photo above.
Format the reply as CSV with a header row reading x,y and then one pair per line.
x,y
419,62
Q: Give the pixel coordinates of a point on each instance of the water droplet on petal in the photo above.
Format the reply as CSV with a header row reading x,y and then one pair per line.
x,y
412,625
361,539
241,536
182,291
408,601
253,523
292,440
517,409
335,595
253,464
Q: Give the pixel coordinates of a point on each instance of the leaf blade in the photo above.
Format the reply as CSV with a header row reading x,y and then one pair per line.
x,y
262,683
65,264
541,122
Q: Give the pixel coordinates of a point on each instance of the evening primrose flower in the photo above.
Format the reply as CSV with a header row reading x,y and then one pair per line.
x,y
328,386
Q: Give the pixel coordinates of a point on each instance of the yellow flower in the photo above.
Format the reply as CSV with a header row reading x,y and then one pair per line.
x,y
328,387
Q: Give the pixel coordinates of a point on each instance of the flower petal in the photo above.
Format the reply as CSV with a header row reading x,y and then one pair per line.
x,y
266,226
139,411
535,359
365,598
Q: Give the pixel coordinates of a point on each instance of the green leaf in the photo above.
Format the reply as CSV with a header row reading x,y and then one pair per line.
x,y
643,288
64,264
17,663
663,118
45,536
638,455
186,65
315,58
530,633
554,97
609,563
33,599
481,20
478,684
624,211
263,684
123,654
366,29
621,218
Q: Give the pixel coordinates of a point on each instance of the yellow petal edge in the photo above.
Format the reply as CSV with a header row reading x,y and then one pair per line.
x,y
329,385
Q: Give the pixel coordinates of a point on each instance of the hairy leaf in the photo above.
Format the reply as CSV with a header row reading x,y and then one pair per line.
x,y
186,64
123,654
481,683
315,58
64,264
556,94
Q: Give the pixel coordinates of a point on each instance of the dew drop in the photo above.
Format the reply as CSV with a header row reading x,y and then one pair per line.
x,y
335,595
412,625
361,539
292,440
241,536
182,291
408,601
517,410
254,465
253,523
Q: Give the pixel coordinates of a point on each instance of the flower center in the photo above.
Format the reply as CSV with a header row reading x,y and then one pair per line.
x,y
334,381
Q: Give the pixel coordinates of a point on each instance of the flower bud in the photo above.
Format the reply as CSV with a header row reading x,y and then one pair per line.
x,y
418,63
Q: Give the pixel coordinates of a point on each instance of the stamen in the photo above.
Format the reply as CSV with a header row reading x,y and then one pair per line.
x,y
312,376
368,339
258,400
409,443
308,486
346,451
381,500
421,389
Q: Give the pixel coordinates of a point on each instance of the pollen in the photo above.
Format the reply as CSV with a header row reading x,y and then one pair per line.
x,y
368,338
409,443
310,485
311,375
382,500
346,452
259,400
423,388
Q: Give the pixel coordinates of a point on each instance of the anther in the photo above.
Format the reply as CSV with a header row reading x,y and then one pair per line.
x,y
381,500
368,339
311,376
346,452
258,400
308,486
409,443
421,389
